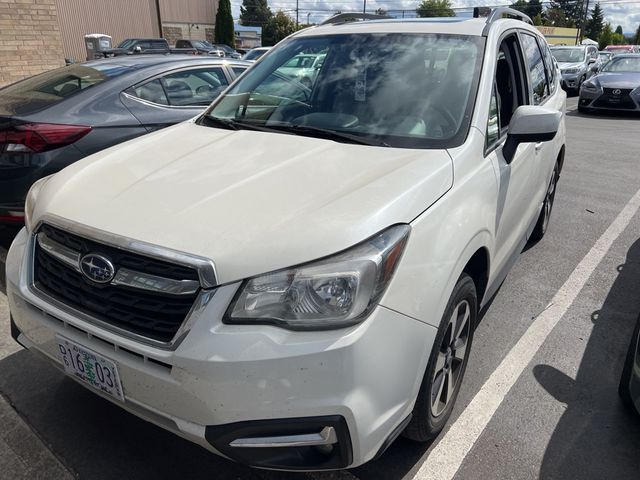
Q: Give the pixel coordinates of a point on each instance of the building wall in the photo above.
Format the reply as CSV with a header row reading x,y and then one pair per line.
x,y
30,40
188,11
118,18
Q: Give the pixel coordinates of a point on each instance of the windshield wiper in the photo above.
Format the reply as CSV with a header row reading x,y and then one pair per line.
x,y
231,124
328,134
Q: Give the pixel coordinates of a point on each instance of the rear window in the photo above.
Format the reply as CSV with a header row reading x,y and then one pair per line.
x,y
49,88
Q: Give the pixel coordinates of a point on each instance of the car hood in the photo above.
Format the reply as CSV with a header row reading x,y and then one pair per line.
x,y
618,79
250,201
566,65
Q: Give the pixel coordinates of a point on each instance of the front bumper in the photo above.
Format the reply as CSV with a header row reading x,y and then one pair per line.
x,y
601,100
572,80
224,382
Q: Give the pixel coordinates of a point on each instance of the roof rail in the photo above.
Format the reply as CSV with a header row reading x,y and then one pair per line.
x,y
498,13
352,17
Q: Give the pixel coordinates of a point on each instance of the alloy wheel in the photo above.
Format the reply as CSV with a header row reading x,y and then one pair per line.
x,y
450,360
548,201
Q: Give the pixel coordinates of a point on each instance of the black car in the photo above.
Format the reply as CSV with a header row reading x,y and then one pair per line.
x,y
228,51
58,117
616,87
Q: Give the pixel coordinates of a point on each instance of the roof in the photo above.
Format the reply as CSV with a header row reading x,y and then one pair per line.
x,y
144,61
444,25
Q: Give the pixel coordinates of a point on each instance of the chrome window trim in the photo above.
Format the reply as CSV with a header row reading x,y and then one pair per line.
x,y
204,266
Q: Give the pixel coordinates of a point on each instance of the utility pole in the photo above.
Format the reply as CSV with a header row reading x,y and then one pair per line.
x,y
296,14
364,8
308,17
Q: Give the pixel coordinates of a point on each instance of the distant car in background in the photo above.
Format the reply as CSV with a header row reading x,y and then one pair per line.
x,y
616,87
255,53
201,46
58,117
604,57
575,64
622,49
133,46
228,51
303,68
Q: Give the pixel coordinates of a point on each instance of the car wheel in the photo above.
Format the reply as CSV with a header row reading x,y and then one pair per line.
x,y
545,214
447,364
625,378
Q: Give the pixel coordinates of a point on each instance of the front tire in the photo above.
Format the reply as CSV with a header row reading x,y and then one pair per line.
x,y
447,364
545,214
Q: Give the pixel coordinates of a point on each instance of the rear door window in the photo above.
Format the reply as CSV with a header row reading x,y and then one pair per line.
x,y
194,87
152,91
537,77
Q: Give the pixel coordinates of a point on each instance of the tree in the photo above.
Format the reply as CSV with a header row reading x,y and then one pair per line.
x,y
554,17
255,13
571,9
595,23
619,30
435,8
605,37
636,39
381,11
280,26
531,8
224,32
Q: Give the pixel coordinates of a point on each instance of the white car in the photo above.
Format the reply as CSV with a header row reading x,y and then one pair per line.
x,y
292,280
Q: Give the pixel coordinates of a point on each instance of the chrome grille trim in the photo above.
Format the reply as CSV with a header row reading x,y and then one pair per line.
x,y
124,276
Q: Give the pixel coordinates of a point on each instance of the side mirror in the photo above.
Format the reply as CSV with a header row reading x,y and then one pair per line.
x,y
592,61
595,69
530,124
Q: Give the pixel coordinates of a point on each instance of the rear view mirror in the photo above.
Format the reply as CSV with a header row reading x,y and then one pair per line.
x,y
530,124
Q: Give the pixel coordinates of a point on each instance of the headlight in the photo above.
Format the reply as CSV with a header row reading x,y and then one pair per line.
x,y
335,292
590,86
32,197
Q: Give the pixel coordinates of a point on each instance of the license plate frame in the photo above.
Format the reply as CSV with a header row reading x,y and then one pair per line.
x,y
90,367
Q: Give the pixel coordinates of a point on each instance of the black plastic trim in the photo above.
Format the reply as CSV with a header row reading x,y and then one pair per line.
x,y
392,436
284,458
15,331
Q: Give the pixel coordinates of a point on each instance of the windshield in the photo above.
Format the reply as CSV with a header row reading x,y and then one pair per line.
x,y
623,64
127,43
405,90
254,54
568,55
201,44
604,57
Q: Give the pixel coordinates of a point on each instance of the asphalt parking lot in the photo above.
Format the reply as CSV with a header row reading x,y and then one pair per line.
x,y
565,314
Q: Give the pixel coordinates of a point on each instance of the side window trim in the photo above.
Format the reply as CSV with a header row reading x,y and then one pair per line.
x,y
548,69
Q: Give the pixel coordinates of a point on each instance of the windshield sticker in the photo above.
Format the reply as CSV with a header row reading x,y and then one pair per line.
x,y
360,94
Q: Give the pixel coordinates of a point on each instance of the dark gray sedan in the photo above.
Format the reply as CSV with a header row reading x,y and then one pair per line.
x,y
630,382
616,87
56,118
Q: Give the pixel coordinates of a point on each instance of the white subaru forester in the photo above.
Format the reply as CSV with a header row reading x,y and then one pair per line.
x,y
292,279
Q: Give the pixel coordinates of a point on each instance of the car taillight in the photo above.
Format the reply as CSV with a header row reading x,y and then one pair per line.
x,y
40,137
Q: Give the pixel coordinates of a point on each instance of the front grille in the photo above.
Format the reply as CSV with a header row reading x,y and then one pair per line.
x,y
609,100
157,316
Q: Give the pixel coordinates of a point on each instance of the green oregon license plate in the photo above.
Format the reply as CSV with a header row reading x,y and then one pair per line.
x,y
90,367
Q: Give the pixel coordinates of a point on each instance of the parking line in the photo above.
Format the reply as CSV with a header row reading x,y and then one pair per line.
x,y
447,456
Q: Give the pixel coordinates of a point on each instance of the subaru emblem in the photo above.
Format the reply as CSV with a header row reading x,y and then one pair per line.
x,y
617,91
97,268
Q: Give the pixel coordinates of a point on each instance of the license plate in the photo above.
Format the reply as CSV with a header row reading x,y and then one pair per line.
x,y
90,367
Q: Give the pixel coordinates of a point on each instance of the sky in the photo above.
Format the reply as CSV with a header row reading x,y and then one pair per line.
x,y
617,12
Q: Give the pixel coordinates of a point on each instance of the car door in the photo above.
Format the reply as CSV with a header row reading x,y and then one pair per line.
x,y
175,96
517,180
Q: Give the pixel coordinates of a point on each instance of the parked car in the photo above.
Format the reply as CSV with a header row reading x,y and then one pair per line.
x,y
616,87
255,54
134,46
604,57
575,64
54,119
629,388
292,281
303,68
201,46
228,51
616,49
